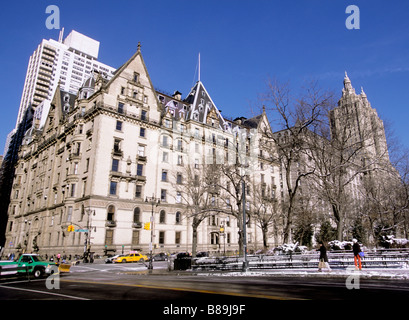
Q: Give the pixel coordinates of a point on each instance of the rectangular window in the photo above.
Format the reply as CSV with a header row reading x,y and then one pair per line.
x,y
73,185
141,151
120,107
118,125
143,115
135,237
179,178
84,187
178,197
138,191
164,175
115,165
165,142
142,132
177,237
163,195
112,188
162,237
69,214
78,149
139,170
109,237
117,145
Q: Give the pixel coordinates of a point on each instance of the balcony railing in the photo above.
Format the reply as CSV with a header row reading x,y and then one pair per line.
x,y
110,223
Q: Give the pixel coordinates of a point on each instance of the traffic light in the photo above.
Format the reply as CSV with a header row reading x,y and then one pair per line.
x,y
147,226
71,228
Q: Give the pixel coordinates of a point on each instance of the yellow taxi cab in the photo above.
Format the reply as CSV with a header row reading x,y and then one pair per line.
x,y
131,257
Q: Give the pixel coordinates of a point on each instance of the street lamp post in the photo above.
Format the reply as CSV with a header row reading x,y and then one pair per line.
x,y
87,243
154,202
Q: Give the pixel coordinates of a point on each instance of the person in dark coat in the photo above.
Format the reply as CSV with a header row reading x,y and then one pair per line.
x,y
323,259
357,258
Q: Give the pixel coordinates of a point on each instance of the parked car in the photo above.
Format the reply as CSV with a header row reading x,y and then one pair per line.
x,y
201,254
160,257
131,257
111,259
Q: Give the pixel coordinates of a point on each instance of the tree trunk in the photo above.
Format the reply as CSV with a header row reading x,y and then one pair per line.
x,y
240,225
265,237
195,225
288,225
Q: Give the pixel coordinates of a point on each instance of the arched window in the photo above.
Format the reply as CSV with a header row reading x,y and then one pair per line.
x,y
111,213
178,217
137,215
162,216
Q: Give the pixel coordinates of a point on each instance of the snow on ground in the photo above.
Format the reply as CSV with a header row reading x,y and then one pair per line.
x,y
398,274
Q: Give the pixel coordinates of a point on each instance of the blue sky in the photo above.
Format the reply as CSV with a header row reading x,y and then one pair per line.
x,y
241,43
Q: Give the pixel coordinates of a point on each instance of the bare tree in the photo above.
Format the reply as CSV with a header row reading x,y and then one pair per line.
x,y
296,117
343,161
265,210
192,189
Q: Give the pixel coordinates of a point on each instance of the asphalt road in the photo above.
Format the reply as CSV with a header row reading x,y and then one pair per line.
x,y
161,290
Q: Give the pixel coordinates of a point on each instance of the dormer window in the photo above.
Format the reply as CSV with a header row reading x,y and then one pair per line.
x,y
135,77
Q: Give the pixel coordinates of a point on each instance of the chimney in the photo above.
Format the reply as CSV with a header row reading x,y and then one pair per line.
x,y
177,95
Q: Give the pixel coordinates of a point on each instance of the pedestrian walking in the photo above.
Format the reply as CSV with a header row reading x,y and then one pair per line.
x,y
323,259
356,248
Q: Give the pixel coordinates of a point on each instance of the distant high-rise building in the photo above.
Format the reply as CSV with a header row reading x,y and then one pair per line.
x,y
69,63
65,63
356,124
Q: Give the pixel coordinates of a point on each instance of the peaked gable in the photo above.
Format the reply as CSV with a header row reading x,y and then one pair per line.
x,y
132,84
62,103
202,106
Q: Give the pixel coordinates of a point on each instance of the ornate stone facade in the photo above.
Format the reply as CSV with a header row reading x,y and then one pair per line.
x,y
100,155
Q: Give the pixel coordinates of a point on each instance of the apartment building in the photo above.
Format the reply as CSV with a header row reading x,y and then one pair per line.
x,y
67,62
102,154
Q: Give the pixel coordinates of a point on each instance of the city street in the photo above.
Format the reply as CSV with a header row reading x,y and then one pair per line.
x,y
132,281
203,294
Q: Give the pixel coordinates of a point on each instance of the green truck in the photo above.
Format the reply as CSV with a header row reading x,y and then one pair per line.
x,y
31,264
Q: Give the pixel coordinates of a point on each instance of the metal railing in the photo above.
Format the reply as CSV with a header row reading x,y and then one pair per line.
x,y
378,259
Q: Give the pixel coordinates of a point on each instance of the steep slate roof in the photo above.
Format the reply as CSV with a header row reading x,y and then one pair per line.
x,y
202,104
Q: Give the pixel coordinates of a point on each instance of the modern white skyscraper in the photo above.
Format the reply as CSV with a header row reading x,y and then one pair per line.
x,y
69,62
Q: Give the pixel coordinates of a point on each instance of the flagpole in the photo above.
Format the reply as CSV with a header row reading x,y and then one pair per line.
x,y
199,67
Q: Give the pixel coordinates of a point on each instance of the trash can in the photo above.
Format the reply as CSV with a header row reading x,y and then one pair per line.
x,y
183,261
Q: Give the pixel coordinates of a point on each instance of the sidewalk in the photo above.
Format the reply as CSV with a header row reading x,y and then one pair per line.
x,y
368,273
372,273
